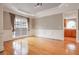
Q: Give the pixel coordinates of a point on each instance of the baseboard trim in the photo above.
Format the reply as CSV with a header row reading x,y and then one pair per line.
x,y
2,51
16,39
48,38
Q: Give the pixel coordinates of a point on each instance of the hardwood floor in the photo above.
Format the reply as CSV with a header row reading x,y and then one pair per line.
x,y
40,46
16,47
43,46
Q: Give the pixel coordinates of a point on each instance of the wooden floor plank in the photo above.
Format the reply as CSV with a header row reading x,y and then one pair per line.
x,y
41,46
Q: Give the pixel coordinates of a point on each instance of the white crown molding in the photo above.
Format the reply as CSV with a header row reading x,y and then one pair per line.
x,y
12,9
60,9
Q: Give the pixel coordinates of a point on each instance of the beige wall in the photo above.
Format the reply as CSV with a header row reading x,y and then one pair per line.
x,y
78,25
31,26
78,19
6,21
53,22
1,29
7,29
49,27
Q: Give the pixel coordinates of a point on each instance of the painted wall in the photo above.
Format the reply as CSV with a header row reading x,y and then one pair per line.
x,y
1,29
78,26
7,29
49,27
32,26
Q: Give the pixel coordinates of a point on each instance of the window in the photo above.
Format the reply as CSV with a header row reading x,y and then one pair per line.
x,y
20,26
71,24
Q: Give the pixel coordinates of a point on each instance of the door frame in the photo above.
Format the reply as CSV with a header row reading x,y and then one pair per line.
x,y
76,11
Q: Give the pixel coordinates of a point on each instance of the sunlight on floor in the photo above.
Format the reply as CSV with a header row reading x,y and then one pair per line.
x,y
20,47
71,46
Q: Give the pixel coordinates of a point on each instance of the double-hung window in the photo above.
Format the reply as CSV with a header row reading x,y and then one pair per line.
x,y
20,26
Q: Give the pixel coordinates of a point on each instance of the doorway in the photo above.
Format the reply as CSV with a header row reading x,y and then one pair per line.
x,y
70,26
70,30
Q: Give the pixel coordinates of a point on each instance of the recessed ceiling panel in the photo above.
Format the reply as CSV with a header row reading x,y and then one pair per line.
x,y
31,7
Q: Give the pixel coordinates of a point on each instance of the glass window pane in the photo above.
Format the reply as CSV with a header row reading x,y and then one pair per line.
x,y
20,26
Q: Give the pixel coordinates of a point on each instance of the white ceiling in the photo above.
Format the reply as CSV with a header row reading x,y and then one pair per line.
x,y
30,7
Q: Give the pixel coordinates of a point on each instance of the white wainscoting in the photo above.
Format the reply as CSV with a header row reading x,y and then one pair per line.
x,y
53,34
1,42
7,35
78,36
